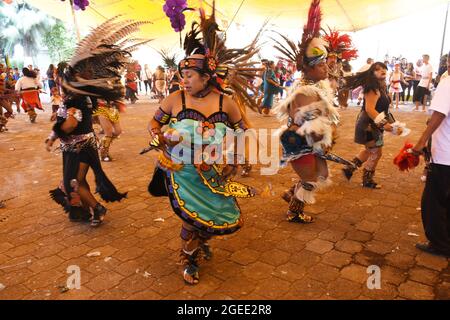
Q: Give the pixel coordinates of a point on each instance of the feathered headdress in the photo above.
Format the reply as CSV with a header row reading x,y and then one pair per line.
x,y
95,68
312,49
169,60
231,70
340,45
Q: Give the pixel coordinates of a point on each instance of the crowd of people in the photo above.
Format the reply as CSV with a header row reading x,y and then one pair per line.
x,y
407,82
198,98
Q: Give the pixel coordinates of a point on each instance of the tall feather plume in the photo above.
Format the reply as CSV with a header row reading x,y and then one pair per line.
x,y
210,28
192,40
236,70
95,69
295,52
310,30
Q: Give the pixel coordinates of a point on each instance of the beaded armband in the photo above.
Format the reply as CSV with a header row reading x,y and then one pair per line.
x,y
162,117
240,126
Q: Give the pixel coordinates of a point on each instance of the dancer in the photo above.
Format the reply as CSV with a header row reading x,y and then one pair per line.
x,y
5,101
201,192
372,121
312,118
109,119
131,84
29,87
340,53
160,83
93,72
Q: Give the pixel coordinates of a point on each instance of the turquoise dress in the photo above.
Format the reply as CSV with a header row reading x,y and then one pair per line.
x,y
269,89
198,193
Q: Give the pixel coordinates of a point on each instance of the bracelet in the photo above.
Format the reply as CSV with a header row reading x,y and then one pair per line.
x,y
155,131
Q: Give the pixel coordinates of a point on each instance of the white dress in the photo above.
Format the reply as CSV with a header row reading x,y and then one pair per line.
x,y
396,85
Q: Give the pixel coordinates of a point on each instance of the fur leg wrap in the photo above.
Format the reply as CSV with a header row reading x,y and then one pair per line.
x,y
305,192
323,182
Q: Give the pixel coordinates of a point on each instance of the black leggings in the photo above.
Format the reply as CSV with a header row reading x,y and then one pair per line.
x,y
409,88
148,83
402,94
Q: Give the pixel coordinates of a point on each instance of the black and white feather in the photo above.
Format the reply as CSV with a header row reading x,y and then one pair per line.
x,y
95,68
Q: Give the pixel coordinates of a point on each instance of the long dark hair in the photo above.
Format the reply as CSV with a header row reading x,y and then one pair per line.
x,y
366,79
51,68
29,73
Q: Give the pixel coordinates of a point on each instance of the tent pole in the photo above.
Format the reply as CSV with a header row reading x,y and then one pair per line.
x,y
75,21
445,29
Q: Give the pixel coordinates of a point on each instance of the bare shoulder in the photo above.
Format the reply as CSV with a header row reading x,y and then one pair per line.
x,y
171,101
228,102
372,94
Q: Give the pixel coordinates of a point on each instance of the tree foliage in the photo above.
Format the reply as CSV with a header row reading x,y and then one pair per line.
x,y
22,24
60,42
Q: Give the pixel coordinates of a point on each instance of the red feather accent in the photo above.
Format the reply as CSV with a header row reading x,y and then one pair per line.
x,y
310,30
314,19
405,160
340,44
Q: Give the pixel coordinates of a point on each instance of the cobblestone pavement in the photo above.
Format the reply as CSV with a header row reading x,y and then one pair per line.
x,y
267,259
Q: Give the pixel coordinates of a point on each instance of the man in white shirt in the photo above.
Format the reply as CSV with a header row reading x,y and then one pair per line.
x,y
367,66
436,196
423,89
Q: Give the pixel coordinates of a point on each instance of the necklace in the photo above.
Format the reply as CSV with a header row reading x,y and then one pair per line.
x,y
203,93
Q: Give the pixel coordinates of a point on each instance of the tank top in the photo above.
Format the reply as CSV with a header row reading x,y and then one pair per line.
x,y
382,105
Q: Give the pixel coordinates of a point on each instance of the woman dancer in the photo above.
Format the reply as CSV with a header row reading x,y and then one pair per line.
x,y
201,192
29,87
160,83
372,121
109,119
94,71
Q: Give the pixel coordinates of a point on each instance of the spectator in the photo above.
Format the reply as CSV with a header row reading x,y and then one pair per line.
x,y
435,198
396,81
445,74
423,89
147,78
358,91
409,78
16,75
51,77
138,69
418,77
442,67
271,88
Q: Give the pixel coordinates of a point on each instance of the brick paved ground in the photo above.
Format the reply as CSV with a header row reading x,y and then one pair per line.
x,y
268,259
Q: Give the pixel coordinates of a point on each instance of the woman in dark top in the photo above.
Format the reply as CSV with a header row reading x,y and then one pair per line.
x,y
88,75
51,77
372,121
